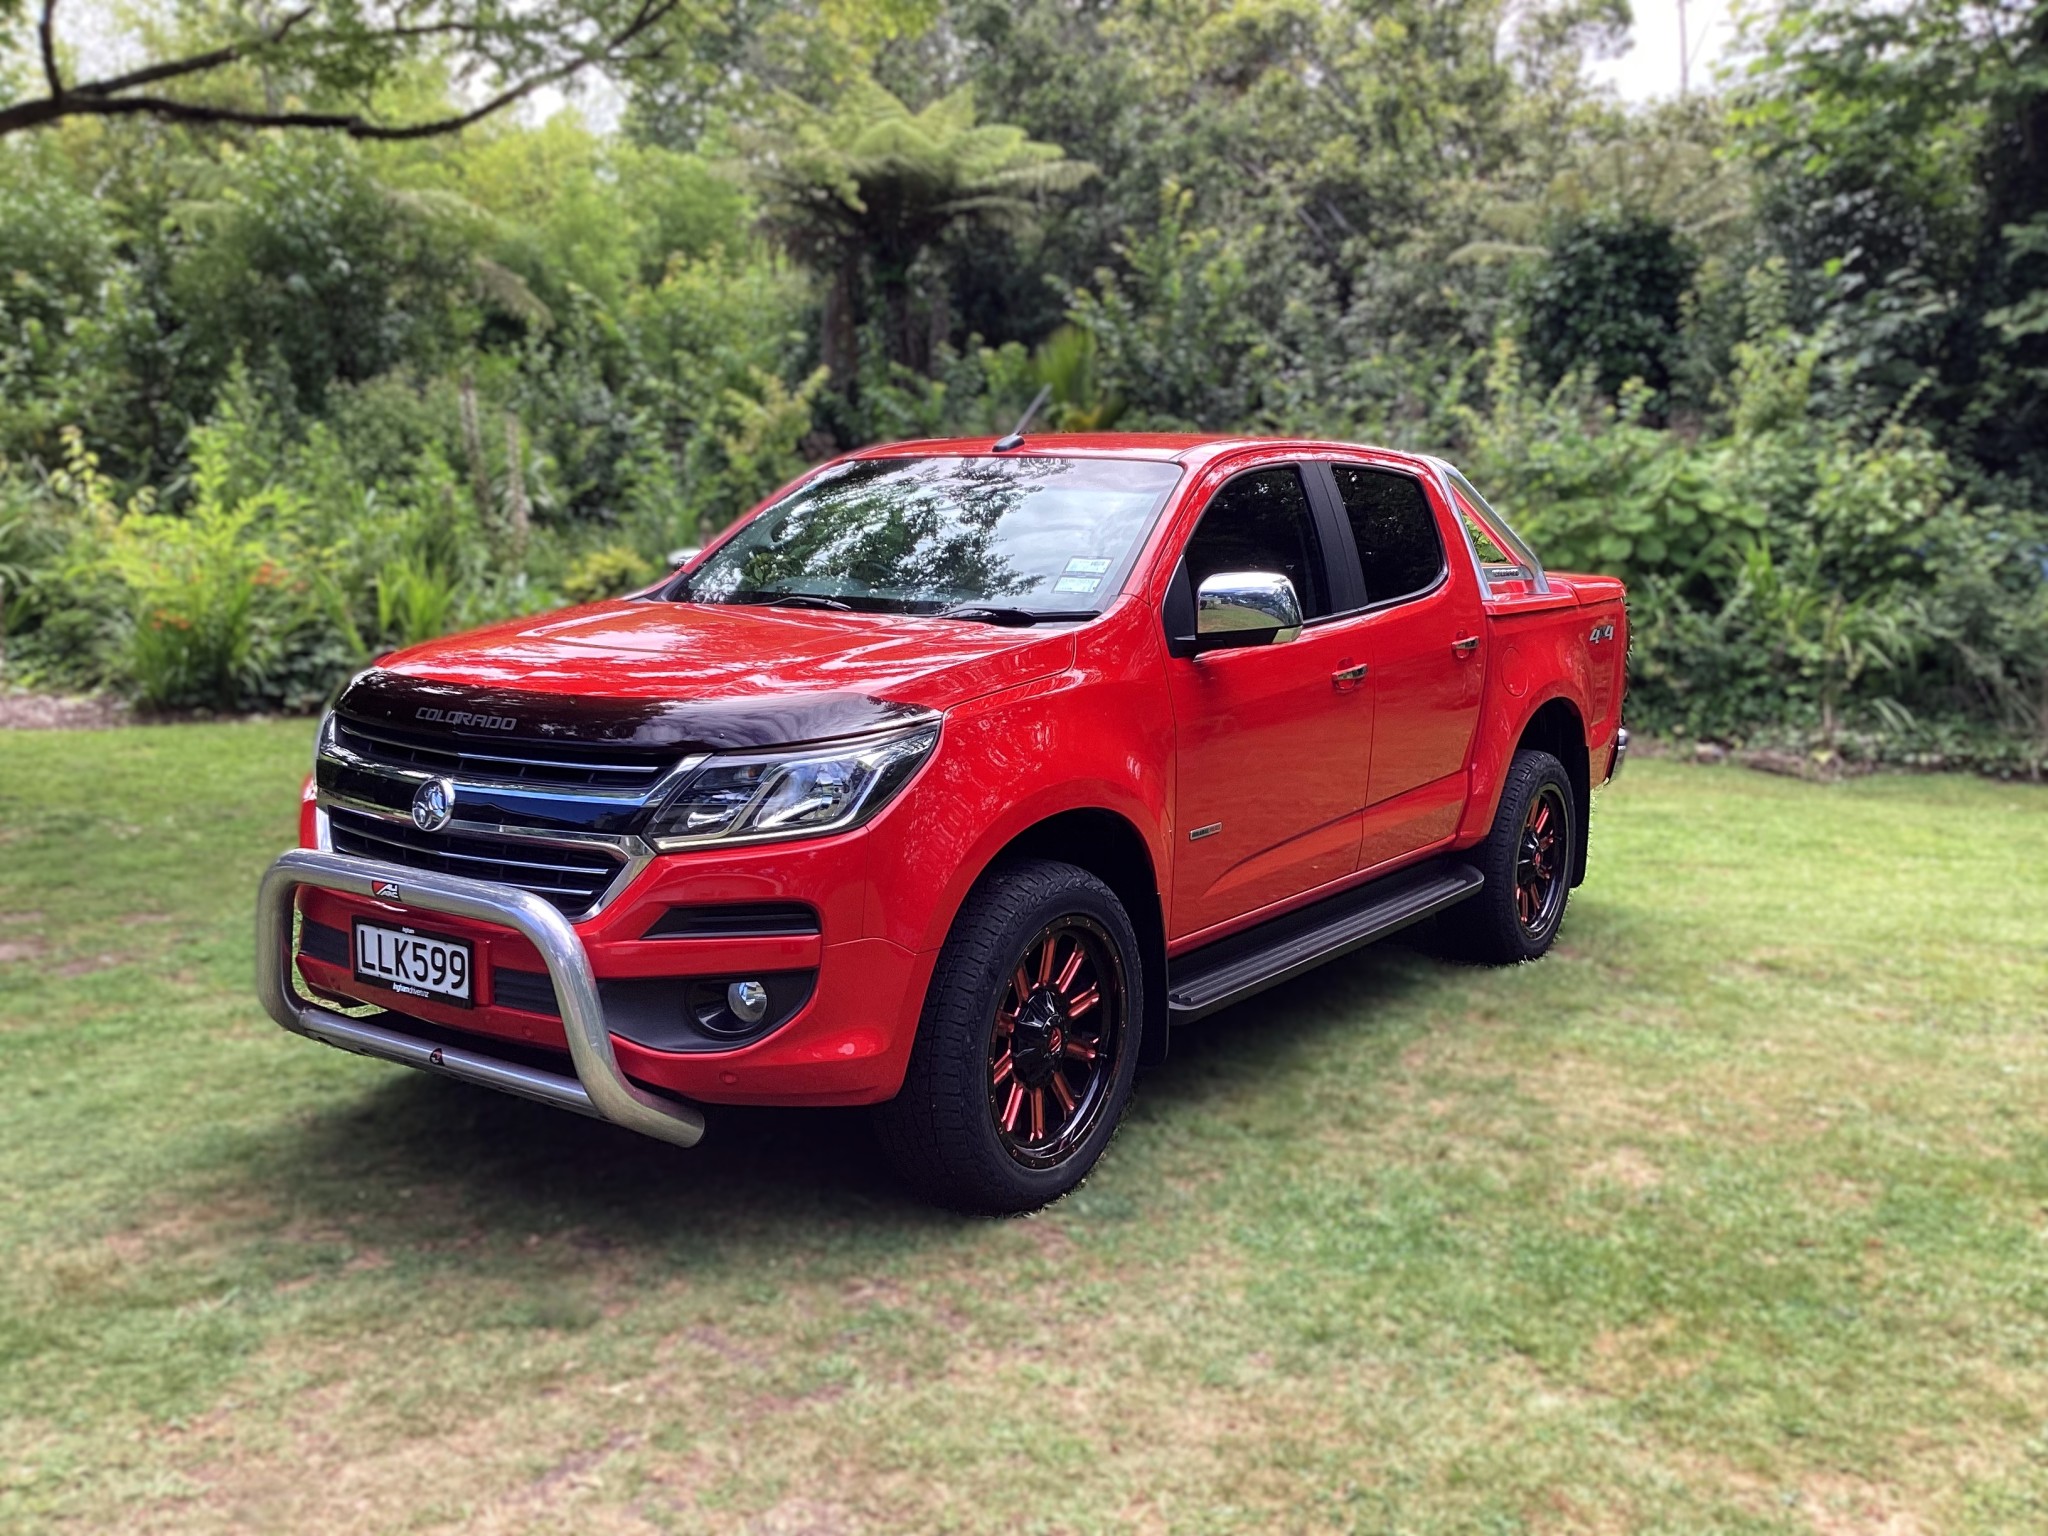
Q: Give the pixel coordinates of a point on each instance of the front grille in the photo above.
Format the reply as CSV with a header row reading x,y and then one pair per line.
x,y
574,765
571,877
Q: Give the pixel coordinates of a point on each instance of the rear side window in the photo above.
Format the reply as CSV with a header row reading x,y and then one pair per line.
x,y
1507,563
1399,550
1261,522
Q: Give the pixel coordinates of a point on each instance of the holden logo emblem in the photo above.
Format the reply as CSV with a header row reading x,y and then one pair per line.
x,y
433,805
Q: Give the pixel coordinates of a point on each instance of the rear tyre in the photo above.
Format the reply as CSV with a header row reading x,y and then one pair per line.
x,y
1527,860
1027,1045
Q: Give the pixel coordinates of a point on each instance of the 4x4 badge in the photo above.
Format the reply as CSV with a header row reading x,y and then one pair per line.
x,y
433,805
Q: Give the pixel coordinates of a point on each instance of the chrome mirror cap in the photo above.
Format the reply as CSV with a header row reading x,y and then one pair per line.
x,y
1246,608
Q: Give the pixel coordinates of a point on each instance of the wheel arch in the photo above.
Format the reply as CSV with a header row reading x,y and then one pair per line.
x,y
1111,848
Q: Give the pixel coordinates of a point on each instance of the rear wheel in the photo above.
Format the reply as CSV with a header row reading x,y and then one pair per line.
x,y
1027,1044
1527,860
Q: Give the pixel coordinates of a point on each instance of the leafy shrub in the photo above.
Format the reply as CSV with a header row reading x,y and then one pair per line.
x,y
1605,303
612,571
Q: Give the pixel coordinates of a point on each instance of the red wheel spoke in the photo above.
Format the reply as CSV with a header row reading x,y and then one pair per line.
x,y
1069,971
1054,1041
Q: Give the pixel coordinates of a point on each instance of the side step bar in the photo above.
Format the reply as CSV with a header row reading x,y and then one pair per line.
x,y
1232,969
599,1088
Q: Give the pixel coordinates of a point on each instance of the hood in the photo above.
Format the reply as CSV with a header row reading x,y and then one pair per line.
x,y
698,676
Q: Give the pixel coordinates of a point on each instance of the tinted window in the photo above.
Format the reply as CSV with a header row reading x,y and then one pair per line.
x,y
1261,522
1394,529
1053,535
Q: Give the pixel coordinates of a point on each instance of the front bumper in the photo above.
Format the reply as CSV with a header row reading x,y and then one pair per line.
x,y
1620,752
598,1086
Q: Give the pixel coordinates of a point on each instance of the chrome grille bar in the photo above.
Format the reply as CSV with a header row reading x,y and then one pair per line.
x,y
561,764
575,874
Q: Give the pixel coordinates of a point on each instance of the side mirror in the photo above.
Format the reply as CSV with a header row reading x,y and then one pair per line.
x,y
1241,608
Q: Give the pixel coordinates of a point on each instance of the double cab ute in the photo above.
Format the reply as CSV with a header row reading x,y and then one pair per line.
x,y
949,781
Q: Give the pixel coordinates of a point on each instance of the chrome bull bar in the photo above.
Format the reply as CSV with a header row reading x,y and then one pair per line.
x,y
598,1089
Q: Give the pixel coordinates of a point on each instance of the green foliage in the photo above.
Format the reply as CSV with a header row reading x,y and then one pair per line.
x,y
612,571
1606,302
308,268
1899,153
863,191
415,601
1779,357
1604,491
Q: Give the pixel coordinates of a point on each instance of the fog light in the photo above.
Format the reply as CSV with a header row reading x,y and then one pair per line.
x,y
748,1001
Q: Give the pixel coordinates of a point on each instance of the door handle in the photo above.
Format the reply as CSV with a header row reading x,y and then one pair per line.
x,y
1465,645
1347,678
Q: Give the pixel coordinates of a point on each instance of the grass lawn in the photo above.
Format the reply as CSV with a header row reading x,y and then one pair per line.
x,y
1730,1216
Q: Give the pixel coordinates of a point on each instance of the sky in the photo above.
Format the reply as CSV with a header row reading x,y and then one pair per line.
x,y
1649,69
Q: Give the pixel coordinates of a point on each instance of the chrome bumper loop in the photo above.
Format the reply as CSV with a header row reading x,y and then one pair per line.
x,y
599,1088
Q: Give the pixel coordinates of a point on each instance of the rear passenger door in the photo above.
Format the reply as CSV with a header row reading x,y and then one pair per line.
x,y
1423,628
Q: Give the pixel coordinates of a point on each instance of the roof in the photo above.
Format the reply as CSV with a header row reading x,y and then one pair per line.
x,y
1180,447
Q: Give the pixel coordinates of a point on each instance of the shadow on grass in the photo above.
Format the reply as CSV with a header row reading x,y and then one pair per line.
x,y
412,1160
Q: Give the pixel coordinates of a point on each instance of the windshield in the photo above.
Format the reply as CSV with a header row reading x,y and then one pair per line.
x,y
1047,537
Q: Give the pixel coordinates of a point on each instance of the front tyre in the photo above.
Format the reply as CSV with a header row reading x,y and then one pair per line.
x,y
1027,1045
1527,860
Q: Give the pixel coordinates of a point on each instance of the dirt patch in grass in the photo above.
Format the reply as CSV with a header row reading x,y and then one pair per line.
x,y
21,711
1627,1167
1842,1505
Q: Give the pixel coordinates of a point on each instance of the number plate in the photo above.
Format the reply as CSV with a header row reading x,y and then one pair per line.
x,y
417,964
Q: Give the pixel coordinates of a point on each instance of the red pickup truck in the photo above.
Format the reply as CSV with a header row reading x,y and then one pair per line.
x,y
948,782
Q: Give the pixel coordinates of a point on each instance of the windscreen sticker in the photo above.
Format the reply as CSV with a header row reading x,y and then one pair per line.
x,y
1080,567
1077,584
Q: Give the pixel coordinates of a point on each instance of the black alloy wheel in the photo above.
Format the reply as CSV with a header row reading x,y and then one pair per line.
x,y
1542,870
1027,1045
1055,1040
1527,858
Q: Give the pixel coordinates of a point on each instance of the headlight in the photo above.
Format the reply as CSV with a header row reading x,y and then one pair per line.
x,y
790,794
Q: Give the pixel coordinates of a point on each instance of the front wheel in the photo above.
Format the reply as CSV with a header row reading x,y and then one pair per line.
x,y
1027,1045
1527,861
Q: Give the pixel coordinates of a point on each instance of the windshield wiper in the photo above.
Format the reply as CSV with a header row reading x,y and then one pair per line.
x,y
800,600
996,613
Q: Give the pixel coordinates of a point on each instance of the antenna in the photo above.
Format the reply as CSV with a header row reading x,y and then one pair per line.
x,y
1016,437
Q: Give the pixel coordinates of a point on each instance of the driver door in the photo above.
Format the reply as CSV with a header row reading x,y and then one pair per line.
x,y
1272,741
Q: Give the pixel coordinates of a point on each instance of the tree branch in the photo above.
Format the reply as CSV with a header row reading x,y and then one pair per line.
x,y
171,69
111,97
46,34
